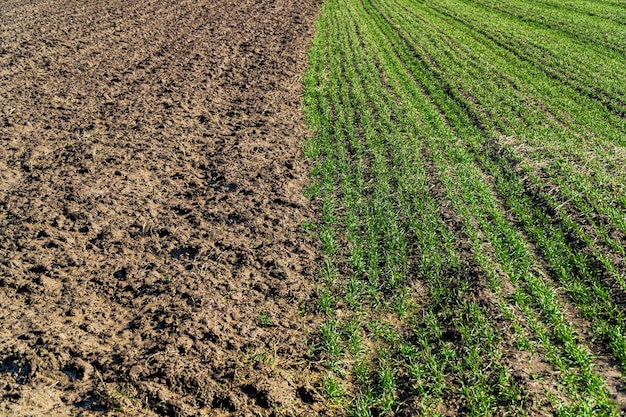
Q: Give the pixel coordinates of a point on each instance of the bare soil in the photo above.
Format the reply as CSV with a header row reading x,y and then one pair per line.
x,y
152,259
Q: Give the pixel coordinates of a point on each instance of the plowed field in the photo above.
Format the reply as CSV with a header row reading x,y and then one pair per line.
x,y
152,258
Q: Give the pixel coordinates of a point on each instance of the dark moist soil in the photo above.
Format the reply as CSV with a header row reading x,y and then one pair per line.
x,y
152,256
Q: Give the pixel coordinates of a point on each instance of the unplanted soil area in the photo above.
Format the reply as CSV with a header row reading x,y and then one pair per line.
x,y
152,256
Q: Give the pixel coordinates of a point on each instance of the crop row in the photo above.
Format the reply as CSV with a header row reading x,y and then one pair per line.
x,y
470,169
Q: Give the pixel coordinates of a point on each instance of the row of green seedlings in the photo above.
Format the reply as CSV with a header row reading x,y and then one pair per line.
x,y
412,125
578,22
586,209
583,158
439,90
403,363
564,257
590,69
618,276
607,10
575,199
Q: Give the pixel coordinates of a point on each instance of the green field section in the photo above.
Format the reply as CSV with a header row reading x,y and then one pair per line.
x,y
470,166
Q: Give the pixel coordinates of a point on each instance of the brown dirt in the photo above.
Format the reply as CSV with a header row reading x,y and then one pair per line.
x,y
151,252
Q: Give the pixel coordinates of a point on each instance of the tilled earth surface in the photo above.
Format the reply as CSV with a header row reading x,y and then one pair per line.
x,y
152,256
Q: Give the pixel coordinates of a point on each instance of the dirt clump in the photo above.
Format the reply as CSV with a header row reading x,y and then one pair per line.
x,y
152,259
